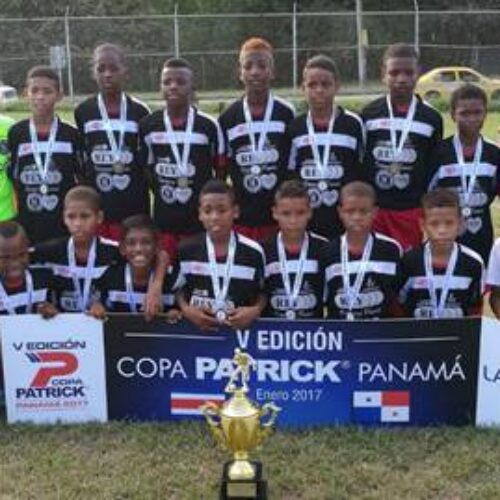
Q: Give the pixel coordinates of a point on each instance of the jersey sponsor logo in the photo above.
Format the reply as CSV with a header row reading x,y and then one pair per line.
x,y
318,197
106,157
282,302
108,182
255,183
363,300
383,152
31,177
245,157
310,172
165,168
37,202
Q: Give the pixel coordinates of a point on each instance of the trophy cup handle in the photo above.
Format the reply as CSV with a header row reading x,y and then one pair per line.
x,y
272,410
212,413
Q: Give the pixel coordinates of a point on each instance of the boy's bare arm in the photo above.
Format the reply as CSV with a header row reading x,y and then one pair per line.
x,y
495,301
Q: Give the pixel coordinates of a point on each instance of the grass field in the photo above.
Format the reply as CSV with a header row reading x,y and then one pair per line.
x,y
180,461
144,461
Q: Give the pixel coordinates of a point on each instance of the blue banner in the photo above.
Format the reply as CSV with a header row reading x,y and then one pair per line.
x,y
401,372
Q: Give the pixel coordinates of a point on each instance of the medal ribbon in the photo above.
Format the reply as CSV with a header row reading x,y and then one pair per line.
x,y
257,148
220,292
4,297
321,164
292,293
116,148
396,147
129,287
438,307
83,293
182,163
43,167
467,189
352,292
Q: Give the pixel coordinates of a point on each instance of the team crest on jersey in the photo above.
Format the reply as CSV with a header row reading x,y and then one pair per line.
x,y
37,202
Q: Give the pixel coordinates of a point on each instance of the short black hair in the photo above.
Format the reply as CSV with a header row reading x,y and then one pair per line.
x,y
216,186
86,194
292,189
109,47
467,91
44,72
10,229
139,221
359,189
178,62
322,62
441,198
399,50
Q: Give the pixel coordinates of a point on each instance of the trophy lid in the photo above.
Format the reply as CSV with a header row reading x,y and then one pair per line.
x,y
239,405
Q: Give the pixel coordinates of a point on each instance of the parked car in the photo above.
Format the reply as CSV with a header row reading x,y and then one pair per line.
x,y
8,94
439,83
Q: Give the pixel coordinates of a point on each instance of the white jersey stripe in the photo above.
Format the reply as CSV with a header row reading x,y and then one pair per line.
x,y
417,127
26,148
99,126
203,269
242,129
179,137
373,266
324,139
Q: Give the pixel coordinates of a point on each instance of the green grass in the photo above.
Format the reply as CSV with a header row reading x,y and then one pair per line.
x,y
149,461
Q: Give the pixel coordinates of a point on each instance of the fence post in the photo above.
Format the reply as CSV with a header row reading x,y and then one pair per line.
x,y
176,32
361,50
68,55
294,46
416,42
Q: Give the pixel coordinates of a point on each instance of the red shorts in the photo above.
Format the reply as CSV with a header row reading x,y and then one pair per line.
x,y
170,242
402,225
257,233
110,230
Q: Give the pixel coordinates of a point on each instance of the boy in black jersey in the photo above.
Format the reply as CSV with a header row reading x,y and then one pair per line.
x,y
22,290
441,278
469,164
124,285
221,272
324,145
295,258
109,124
401,133
46,158
254,129
181,150
362,272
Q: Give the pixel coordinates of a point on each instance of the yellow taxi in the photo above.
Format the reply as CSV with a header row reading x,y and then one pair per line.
x,y
439,83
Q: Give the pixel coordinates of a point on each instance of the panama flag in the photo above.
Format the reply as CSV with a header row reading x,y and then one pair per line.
x,y
381,406
183,403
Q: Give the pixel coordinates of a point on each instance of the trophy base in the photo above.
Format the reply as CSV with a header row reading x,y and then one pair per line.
x,y
243,489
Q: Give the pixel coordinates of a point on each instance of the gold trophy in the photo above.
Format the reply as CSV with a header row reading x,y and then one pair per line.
x,y
237,426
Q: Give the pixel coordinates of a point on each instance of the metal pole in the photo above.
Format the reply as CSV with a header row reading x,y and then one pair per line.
x,y
417,27
294,47
176,32
68,55
361,51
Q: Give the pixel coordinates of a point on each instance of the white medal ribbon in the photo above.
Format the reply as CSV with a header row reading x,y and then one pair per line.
x,y
397,147
83,293
351,292
116,148
182,163
292,292
258,147
43,167
438,307
321,163
220,292
467,188
129,288
7,303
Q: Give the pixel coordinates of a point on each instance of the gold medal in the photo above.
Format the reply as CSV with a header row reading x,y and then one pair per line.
x,y
183,182
394,168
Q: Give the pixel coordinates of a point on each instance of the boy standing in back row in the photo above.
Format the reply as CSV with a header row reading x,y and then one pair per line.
x,y
401,133
254,128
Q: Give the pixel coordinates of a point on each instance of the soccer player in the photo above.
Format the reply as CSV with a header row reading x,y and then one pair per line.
x,y
295,258
401,133
221,271
362,271
7,199
254,129
325,145
493,278
441,278
109,124
46,158
124,285
22,290
181,148
79,260
470,165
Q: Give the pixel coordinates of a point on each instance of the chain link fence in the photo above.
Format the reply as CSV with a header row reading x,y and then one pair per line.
x,y
355,40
